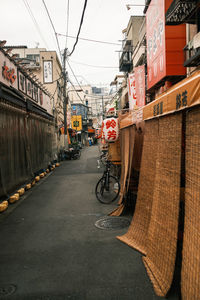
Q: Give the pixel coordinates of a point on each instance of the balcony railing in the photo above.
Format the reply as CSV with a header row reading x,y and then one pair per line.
x,y
192,52
126,63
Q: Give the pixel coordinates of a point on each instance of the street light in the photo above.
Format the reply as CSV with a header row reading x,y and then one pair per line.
x,y
128,6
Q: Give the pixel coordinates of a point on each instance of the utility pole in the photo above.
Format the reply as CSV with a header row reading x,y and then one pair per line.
x,y
65,96
102,108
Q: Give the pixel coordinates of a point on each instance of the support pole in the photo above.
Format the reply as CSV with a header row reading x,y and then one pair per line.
x,y
65,95
102,108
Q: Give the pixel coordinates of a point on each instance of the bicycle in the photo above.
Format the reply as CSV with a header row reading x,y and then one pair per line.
x,y
108,187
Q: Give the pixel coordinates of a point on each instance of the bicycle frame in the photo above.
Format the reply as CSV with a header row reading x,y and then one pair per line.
x,y
105,186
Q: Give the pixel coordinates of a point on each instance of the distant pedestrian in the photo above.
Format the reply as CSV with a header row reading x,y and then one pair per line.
x,y
90,141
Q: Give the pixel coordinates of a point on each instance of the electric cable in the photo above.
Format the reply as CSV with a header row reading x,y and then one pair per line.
x,y
76,91
73,74
77,37
77,79
93,66
89,40
35,22
53,28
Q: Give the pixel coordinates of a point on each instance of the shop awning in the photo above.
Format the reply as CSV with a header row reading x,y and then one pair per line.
x,y
91,130
181,11
182,95
130,118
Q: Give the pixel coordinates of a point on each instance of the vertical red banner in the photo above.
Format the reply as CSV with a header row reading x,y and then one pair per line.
x,y
140,85
156,54
132,91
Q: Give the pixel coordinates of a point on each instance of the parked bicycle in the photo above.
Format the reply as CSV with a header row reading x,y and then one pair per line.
x,y
108,187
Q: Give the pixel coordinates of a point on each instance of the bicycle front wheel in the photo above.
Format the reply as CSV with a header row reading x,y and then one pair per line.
x,y
107,192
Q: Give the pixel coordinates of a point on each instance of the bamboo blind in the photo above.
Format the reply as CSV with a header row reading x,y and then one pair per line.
x,y
163,227
137,232
190,274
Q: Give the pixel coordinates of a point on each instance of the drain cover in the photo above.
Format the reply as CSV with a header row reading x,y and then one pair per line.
x,y
7,290
112,223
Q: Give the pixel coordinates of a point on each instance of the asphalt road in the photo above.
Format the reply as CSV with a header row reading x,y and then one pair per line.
x,y
51,249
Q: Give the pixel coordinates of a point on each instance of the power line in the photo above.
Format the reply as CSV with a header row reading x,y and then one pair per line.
x,y
79,83
93,66
34,21
53,28
75,90
82,17
89,40
73,74
67,23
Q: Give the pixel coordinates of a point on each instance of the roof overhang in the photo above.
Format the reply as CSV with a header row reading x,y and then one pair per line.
x,y
181,11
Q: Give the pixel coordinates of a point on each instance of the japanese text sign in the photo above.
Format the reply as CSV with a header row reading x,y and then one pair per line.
x,y
156,55
8,72
48,71
140,85
111,129
76,122
131,91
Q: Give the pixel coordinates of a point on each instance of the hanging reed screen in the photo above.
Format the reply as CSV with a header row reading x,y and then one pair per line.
x,y
125,156
190,275
137,232
163,227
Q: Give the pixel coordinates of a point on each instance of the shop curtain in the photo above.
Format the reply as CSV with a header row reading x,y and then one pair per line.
x,y
190,273
163,228
124,145
137,232
13,158
132,135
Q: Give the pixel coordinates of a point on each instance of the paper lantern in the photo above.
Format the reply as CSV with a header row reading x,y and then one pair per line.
x,y
111,129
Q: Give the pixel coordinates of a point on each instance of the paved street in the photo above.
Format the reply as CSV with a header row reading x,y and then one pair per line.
x,y
51,249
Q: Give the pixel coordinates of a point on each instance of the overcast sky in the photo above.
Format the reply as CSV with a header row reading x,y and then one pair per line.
x,y
104,20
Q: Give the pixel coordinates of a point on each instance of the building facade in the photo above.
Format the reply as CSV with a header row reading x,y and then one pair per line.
x,y
45,67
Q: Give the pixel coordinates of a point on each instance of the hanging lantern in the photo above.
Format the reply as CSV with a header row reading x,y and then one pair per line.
x,y
111,129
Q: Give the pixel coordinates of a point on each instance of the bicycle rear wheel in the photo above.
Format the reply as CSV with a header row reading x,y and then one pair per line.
x,y
107,193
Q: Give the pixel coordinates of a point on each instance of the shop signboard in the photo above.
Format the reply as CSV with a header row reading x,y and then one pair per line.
x,y
29,88
140,85
21,82
8,72
34,92
76,122
165,55
156,54
48,71
131,91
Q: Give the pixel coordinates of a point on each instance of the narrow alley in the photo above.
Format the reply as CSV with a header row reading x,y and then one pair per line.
x,y
51,249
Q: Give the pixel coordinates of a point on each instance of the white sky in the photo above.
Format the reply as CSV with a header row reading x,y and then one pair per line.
x,y
104,20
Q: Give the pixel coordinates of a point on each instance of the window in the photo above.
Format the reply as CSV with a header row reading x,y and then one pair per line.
x,y
34,57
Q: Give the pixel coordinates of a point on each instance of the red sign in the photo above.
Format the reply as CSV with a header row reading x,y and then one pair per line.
x,y
156,55
131,91
140,85
8,72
